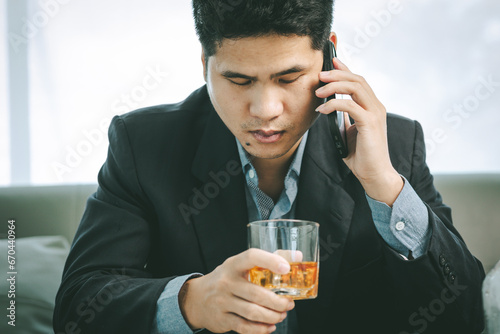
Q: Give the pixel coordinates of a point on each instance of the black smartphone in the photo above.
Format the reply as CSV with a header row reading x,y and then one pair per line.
x,y
336,118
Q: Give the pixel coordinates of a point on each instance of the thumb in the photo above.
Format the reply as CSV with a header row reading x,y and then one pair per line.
x,y
254,257
340,65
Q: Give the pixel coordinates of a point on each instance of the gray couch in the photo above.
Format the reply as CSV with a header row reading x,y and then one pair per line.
x,y
56,210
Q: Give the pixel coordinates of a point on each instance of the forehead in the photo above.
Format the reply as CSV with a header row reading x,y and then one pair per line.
x,y
251,52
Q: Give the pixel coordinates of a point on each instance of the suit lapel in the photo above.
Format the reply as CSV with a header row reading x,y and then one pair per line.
x,y
220,223
323,199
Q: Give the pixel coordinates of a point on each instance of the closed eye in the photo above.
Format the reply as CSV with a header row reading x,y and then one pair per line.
x,y
246,83
243,83
290,80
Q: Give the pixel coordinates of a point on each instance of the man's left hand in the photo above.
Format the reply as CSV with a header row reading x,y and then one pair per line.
x,y
368,155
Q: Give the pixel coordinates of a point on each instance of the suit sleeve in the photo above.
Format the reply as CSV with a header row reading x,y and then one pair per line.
x,y
106,287
439,292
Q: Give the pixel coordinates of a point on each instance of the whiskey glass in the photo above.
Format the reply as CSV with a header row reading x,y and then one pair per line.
x,y
297,242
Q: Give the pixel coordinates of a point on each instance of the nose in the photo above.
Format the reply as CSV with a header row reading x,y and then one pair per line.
x,y
266,104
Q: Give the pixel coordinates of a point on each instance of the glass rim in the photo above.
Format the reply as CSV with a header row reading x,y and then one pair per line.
x,y
260,223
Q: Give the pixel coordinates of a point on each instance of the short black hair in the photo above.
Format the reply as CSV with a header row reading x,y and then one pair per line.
x,y
216,20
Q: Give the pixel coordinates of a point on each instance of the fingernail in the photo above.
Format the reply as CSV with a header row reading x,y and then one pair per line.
x,y
291,305
284,267
320,90
283,316
321,108
323,74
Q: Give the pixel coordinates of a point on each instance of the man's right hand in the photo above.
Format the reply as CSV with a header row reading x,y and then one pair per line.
x,y
225,300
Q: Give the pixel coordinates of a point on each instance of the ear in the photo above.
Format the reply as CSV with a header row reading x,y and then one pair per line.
x,y
204,63
333,38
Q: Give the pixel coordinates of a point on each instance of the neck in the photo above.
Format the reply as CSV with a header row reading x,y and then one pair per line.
x,y
272,172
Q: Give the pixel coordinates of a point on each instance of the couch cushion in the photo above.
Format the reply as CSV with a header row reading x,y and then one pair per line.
x,y
39,266
474,200
44,210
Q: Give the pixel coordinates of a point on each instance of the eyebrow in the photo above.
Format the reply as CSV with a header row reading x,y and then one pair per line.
x,y
231,74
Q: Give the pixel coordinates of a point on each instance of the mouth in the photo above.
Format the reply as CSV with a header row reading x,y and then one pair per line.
x,y
267,136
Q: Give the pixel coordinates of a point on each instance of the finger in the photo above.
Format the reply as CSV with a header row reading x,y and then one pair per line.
x,y
264,297
254,257
340,65
339,76
256,313
290,255
347,120
242,325
348,106
354,89
351,134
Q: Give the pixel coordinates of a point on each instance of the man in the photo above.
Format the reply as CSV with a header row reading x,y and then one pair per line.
x,y
162,244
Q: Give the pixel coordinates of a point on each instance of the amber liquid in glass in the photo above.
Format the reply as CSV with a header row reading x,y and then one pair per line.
x,y
300,283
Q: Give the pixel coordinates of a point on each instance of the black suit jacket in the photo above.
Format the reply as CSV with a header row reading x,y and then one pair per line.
x,y
171,201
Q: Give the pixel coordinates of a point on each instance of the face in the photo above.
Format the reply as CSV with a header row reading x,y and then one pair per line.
x,y
263,90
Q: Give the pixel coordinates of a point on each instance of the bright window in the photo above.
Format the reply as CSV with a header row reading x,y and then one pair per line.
x,y
434,61
4,115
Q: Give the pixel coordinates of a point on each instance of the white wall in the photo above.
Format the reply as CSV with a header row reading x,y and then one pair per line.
x,y
89,59
4,116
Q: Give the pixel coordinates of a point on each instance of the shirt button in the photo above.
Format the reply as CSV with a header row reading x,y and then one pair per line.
x,y
251,173
400,226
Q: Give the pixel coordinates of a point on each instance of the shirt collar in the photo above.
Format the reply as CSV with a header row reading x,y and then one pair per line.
x,y
294,166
